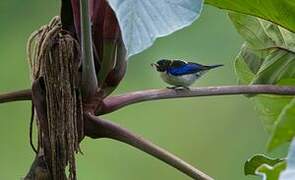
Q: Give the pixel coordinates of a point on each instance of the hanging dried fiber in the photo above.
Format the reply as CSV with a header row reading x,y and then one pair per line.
x,y
54,56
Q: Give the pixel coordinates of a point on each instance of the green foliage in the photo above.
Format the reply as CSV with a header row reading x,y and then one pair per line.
x,y
271,172
281,12
248,64
259,162
285,127
269,51
270,108
268,57
264,166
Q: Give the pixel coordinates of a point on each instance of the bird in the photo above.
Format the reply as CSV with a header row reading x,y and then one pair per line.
x,y
179,73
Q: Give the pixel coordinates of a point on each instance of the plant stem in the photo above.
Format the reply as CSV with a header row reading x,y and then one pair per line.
x,y
114,103
98,128
21,95
89,81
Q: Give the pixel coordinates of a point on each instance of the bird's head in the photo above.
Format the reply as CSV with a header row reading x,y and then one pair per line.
x,y
162,65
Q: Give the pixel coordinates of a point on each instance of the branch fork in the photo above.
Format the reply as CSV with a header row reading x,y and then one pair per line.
x,y
96,128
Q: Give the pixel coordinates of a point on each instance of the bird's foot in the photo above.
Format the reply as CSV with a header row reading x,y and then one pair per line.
x,y
178,88
171,87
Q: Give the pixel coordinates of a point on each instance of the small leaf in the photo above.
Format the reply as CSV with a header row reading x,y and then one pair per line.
x,y
257,161
289,173
141,22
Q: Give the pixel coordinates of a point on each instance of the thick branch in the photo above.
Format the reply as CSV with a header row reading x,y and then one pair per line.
x,y
114,103
16,96
98,128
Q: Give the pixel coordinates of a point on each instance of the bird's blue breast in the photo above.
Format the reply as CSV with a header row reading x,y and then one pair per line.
x,y
184,69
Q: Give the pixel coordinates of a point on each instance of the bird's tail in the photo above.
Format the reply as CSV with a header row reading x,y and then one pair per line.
x,y
212,66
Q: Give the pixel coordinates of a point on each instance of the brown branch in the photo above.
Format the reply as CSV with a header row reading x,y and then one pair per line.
x,y
98,128
114,103
21,95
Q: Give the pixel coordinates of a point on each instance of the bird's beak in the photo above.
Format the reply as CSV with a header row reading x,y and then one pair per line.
x,y
154,65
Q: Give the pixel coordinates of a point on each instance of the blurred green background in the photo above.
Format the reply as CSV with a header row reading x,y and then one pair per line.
x,y
216,134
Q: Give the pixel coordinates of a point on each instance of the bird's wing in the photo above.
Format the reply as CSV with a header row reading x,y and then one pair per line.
x,y
177,63
184,69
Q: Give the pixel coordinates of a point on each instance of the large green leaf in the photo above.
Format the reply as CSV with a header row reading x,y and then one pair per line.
x,y
285,126
270,107
277,65
243,68
269,50
261,34
268,57
141,22
281,12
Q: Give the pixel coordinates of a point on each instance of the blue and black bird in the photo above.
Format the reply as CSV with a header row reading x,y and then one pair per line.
x,y
179,73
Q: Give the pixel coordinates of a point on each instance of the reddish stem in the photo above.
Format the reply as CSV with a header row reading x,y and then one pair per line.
x,y
21,95
114,103
98,128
